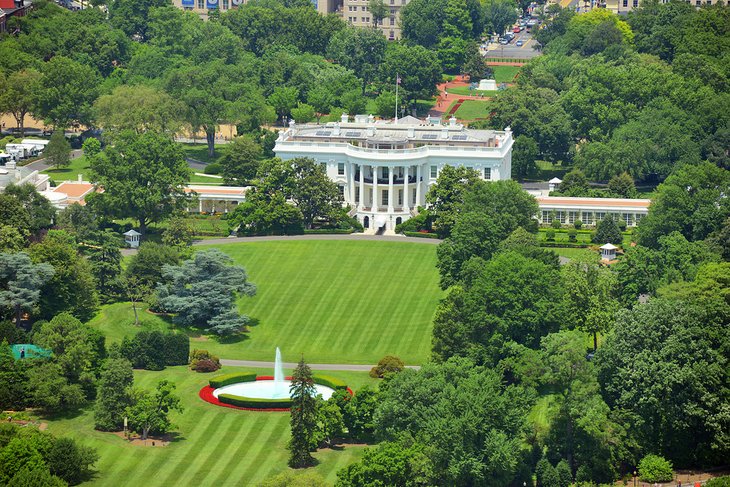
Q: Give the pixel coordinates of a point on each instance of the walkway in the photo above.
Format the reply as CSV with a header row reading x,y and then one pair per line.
x,y
293,365
445,99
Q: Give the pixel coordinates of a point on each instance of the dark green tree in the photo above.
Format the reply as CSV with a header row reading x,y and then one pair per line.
x,y
150,411
12,380
146,265
524,154
303,416
114,394
607,231
445,196
622,186
240,160
58,150
21,282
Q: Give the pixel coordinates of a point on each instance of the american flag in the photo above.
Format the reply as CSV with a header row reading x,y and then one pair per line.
x,y
397,79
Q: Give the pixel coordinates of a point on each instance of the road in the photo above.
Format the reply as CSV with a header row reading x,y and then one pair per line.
x,y
292,365
512,50
41,165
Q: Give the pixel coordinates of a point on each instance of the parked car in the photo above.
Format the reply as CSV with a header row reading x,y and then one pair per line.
x,y
519,43
504,40
516,29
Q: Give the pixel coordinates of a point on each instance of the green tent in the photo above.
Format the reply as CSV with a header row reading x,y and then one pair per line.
x,y
31,351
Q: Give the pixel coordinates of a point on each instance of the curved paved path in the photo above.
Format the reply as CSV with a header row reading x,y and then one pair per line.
x,y
292,365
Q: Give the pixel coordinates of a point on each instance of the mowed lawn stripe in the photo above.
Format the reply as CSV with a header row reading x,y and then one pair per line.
x,y
325,297
276,438
244,445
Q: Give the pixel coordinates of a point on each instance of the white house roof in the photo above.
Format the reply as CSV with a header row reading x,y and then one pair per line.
x,y
555,181
608,246
132,233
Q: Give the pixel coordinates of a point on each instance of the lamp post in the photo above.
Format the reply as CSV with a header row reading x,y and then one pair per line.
x,y
634,478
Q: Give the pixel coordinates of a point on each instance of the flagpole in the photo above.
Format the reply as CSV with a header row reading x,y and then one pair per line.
x,y
397,78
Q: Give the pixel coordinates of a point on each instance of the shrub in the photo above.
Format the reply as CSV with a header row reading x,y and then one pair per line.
x,y
564,474
250,402
550,235
153,350
203,361
719,482
420,235
578,224
227,379
653,468
213,168
555,224
329,381
572,234
177,349
389,364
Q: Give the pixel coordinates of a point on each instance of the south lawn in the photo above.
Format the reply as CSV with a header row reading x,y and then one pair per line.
x,y
211,445
333,301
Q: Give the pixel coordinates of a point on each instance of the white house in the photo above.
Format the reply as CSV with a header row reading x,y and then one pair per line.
x,y
590,211
385,168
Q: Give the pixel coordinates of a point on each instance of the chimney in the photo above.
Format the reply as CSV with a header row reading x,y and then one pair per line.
x,y
452,121
80,178
371,131
344,118
371,119
444,133
292,123
411,132
337,129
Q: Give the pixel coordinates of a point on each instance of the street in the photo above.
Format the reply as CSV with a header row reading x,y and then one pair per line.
x,y
512,50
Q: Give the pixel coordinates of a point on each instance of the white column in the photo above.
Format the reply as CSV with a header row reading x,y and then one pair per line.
x,y
406,196
200,205
351,182
390,189
375,188
419,170
362,187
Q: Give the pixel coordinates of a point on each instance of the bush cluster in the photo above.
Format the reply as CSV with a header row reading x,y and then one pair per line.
x,y
332,382
390,364
227,379
653,468
204,361
153,350
250,402
719,482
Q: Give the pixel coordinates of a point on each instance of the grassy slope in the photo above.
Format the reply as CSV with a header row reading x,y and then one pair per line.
x,y
77,166
472,109
464,90
216,445
333,301
505,74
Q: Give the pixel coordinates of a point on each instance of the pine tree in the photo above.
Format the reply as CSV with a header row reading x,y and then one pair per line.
x,y
608,231
303,416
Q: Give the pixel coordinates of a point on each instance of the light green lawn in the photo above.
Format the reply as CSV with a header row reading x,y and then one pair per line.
x,y
79,165
215,446
464,90
333,301
573,253
200,152
505,74
472,109
196,179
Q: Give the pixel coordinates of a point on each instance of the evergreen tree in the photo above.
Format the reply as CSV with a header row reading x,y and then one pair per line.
x,y
21,281
303,416
12,380
114,394
608,231
58,150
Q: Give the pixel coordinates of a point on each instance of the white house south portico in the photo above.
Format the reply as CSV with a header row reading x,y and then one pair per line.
x,y
384,168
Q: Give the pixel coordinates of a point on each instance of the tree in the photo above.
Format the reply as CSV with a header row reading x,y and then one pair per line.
x,y
474,65
446,195
40,211
12,380
17,455
150,412
330,424
21,281
608,231
67,90
78,220
11,240
143,177
692,201
418,68
359,50
240,160
133,17
146,265
106,263
653,468
114,395
303,113
70,461
140,109
14,215
524,154
202,291
295,479
671,344
284,99
20,94
50,391
178,233
390,463
37,476
479,447
312,191
321,99
509,298
622,185
71,287
499,15
385,103
574,182
303,416
387,365
378,11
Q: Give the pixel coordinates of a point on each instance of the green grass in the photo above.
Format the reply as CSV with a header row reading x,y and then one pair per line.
x,y
542,413
572,253
505,74
214,445
71,172
464,90
196,179
333,301
200,152
472,109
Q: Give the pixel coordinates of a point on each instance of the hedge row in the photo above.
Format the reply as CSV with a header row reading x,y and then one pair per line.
x,y
324,231
250,402
153,350
572,245
227,379
420,235
329,381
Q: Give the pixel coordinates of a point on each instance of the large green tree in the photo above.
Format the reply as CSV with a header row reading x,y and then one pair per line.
x,y
67,90
143,177
21,282
150,411
202,292
114,394
418,68
361,50
19,96
447,194
240,160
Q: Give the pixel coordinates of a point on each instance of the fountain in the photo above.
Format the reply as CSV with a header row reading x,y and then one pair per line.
x,y
265,387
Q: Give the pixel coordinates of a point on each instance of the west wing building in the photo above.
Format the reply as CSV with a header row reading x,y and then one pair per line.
x,y
385,168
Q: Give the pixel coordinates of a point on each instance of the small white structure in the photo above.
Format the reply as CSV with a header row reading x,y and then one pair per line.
x,y
608,252
487,85
131,238
554,183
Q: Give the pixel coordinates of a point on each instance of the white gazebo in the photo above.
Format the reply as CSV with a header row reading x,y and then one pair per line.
x,y
608,252
131,238
553,183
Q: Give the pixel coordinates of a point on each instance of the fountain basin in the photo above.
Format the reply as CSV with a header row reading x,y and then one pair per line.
x,y
266,389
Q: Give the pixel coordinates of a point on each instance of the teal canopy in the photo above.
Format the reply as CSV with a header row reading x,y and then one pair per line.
x,y
31,351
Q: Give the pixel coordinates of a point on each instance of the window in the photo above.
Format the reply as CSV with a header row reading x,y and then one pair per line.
x,y
561,216
342,191
400,197
225,4
413,196
392,21
384,172
434,172
364,8
698,3
546,216
392,11
384,198
626,3
341,168
600,215
357,194
572,216
391,36
638,217
628,218
488,173
201,3
587,218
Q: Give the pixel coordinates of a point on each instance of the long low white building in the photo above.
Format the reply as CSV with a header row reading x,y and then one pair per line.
x,y
590,211
385,168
